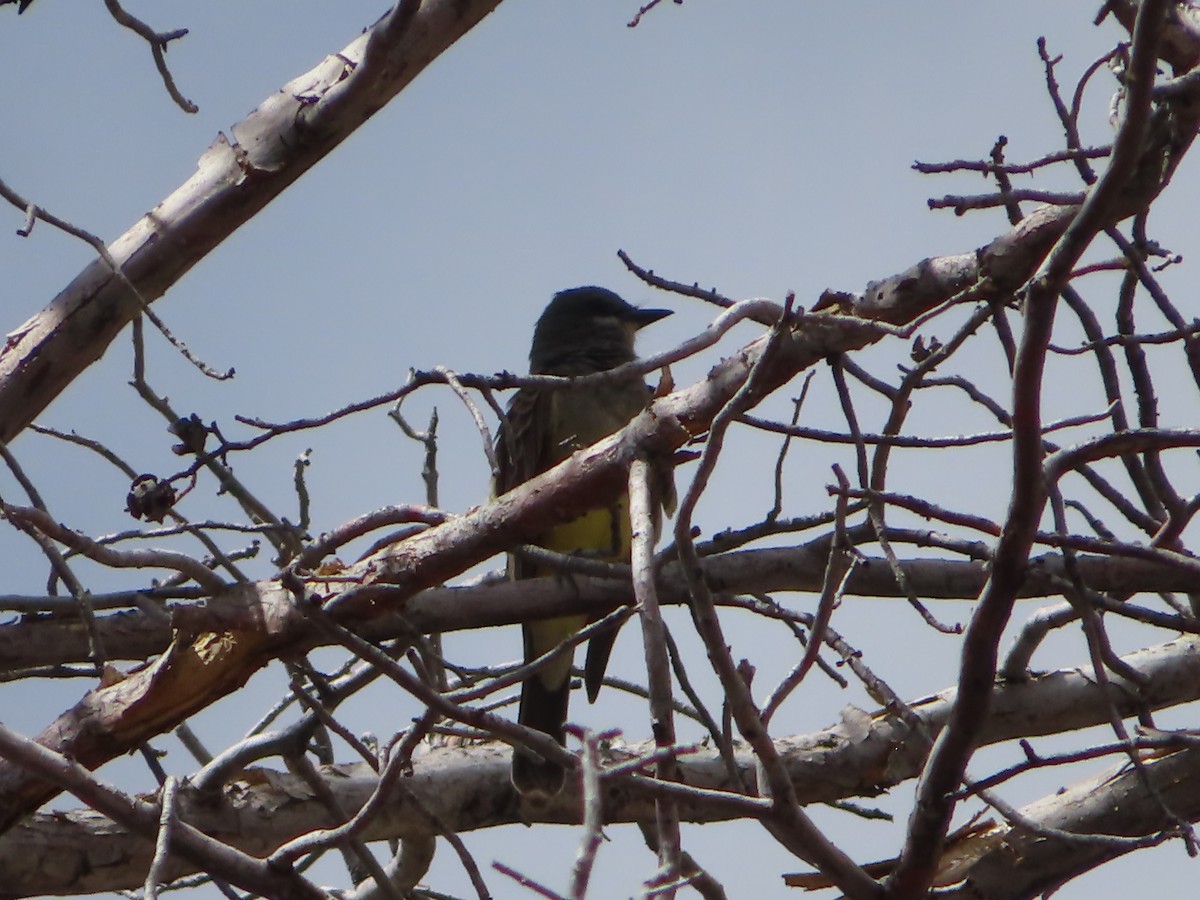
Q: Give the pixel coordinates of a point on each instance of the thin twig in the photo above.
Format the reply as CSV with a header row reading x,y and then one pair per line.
x,y
158,42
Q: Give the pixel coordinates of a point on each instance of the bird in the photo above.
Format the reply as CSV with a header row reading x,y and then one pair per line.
x,y
582,331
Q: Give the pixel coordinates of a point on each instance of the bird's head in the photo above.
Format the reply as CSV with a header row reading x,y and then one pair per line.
x,y
587,329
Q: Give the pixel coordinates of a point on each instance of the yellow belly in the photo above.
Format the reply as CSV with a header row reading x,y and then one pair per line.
x,y
593,536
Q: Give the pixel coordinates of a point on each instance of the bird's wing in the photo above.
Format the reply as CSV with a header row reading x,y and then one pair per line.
x,y
523,450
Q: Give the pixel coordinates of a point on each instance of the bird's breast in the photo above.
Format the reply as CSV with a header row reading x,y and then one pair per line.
x,y
582,416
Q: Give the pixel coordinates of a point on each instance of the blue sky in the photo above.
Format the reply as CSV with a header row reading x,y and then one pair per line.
x,y
756,147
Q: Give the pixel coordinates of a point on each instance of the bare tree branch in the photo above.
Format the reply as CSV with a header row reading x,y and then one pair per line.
x,y
463,786
238,175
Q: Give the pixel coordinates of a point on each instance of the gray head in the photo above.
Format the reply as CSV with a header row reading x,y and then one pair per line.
x,y
587,329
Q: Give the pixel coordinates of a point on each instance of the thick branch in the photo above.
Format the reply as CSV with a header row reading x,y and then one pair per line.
x,y
50,641
1024,864
291,131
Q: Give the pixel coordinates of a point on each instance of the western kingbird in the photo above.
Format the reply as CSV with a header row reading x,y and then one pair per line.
x,y
583,331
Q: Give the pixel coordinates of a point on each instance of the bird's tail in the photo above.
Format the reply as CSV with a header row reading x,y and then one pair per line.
x,y
542,709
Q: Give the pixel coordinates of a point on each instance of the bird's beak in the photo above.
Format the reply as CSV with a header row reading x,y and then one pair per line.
x,y
640,318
